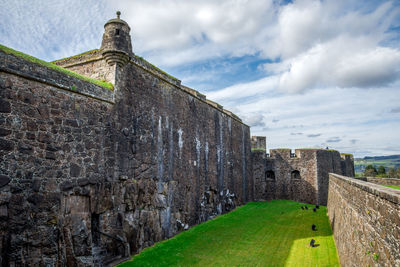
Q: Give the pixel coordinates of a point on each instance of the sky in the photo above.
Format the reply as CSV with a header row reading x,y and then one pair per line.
x,y
305,74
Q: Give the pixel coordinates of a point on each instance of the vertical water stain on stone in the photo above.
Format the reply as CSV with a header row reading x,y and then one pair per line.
x,y
160,156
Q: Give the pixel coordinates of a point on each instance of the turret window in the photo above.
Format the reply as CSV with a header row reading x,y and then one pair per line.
x,y
269,175
295,174
117,32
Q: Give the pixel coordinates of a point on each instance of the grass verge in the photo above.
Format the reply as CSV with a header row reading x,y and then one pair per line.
x,y
275,233
32,59
393,186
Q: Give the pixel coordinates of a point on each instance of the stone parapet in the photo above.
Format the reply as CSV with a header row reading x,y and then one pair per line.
x,y
18,66
144,64
382,181
85,57
346,156
365,220
390,194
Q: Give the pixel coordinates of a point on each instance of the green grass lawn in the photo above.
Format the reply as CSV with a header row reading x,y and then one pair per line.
x,y
392,186
275,233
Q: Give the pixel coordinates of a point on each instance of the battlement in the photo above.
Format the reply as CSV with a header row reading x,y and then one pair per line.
x,y
346,156
301,175
258,143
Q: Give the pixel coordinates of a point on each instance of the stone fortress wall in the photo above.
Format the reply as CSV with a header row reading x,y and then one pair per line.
x,y
302,176
365,220
89,176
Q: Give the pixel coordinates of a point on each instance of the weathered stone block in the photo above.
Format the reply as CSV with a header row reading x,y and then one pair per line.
x,y
66,185
6,145
4,132
4,180
72,123
83,181
5,106
75,170
25,149
3,212
44,138
51,155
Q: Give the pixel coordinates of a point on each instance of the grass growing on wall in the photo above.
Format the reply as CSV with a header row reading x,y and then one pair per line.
x,y
76,56
258,149
275,233
8,50
393,186
320,149
158,69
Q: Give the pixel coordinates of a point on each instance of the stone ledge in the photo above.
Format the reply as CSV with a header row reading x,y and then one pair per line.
x,y
144,64
92,55
380,180
18,66
392,195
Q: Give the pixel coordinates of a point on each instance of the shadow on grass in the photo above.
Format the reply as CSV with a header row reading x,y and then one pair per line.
x,y
275,233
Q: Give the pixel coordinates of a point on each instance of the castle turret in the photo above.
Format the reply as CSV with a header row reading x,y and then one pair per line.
x,y
116,45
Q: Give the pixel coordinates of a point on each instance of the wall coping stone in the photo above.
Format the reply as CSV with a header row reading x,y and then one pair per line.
x,y
12,64
390,194
91,55
382,178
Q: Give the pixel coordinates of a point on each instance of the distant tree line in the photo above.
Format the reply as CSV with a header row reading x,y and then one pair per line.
x,y
371,171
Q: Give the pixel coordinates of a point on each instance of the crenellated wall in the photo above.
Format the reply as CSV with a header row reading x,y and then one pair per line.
x,y
89,176
302,176
280,164
365,220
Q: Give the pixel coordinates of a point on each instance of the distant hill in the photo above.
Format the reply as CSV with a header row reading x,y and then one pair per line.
x,y
386,161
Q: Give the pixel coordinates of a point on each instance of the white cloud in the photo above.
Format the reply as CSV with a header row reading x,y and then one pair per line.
x,y
306,23
51,30
358,114
190,30
342,63
323,44
238,91
255,119
334,71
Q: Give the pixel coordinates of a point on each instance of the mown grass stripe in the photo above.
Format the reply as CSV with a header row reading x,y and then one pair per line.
x,y
275,233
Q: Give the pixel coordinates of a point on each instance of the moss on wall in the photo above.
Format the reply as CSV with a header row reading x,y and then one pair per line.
x,y
8,50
